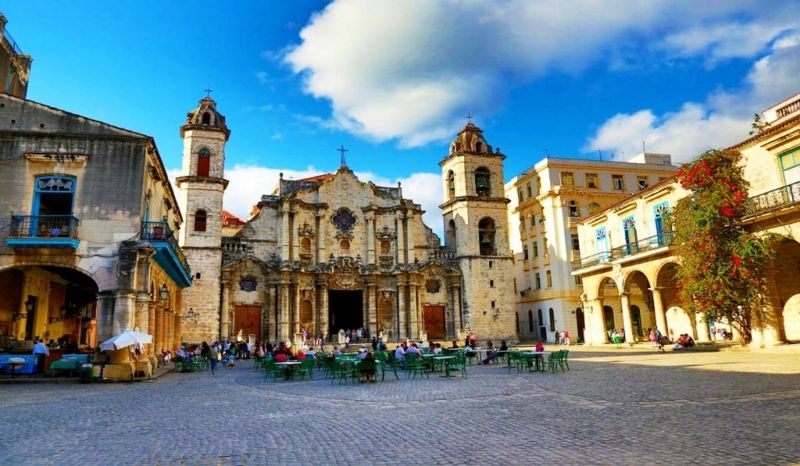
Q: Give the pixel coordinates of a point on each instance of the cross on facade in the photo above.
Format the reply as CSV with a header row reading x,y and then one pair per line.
x,y
469,118
342,150
208,91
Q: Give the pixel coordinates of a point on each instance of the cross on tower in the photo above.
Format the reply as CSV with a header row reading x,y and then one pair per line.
x,y
208,91
342,150
469,118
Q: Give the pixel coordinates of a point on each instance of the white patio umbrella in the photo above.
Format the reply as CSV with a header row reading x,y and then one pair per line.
x,y
125,339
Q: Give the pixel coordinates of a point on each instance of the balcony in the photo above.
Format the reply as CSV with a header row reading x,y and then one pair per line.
x,y
776,199
168,254
629,250
43,231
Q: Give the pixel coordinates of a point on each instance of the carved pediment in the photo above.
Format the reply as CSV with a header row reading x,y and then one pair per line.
x,y
306,231
385,234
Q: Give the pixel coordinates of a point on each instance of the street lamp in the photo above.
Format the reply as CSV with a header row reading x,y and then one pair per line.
x,y
164,292
29,305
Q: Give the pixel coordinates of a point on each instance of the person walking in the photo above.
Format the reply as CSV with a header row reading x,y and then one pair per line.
x,y
212,357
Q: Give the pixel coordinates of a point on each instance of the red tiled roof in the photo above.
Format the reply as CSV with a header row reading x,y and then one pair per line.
x,y
323,177
228,219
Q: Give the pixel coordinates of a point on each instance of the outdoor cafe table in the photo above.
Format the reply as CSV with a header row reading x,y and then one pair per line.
x,y
444,359
289,365
537,357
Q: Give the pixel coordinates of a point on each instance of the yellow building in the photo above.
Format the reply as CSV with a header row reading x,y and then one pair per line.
x,y
547,203
627,264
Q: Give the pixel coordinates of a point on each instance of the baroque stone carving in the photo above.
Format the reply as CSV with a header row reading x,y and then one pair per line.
x,y
306,231
432,286
385,234
343,219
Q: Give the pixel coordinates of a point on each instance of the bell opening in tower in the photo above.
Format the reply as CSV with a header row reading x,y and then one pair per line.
x,y
345,310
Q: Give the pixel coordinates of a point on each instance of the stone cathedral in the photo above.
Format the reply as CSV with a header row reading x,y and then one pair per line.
x,y
332,252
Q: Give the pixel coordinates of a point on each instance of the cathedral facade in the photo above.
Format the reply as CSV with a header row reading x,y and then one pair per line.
x,y
332,252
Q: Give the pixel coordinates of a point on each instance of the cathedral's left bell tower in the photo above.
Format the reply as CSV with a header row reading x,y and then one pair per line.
x,y
202,185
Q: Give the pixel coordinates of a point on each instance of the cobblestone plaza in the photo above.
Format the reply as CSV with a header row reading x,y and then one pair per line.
x,y
628,406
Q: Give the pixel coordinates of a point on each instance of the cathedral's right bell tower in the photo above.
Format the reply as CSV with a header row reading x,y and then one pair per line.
x,y
201,188
476,230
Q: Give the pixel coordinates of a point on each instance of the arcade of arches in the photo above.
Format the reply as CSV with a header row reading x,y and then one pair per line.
x,y
640,296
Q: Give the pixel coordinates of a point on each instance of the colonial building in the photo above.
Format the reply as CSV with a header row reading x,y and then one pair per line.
x,y
547,203
331,252
15,66
628,266
87,245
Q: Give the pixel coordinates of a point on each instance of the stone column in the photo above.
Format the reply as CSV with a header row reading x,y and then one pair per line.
x,y
283,310
413,311
170,319
401,248
124,311
767,322
410,237
599,335
322,286
627,321
295,308
372,324
401,311
142,320
269,330
105,315
225,318
285,232
177,328
458,313
661,316
370,217
321,237
156,329
701,328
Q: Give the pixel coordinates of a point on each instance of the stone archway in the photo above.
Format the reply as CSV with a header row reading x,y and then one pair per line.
x,y
52,302
611,308
641,306
787,287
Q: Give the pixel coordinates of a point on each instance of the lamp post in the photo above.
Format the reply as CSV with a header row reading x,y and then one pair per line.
x,y
164,293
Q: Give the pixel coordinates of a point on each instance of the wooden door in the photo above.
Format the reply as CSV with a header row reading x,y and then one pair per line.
x,y
434,322
247,319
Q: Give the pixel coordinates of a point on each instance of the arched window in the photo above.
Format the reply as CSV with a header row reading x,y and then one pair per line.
x,y
552,320
631,241
486,233
200,220
206,118
451,184
483,182
530,321
541,318
594,207
305,246
203,162
663,224
573,209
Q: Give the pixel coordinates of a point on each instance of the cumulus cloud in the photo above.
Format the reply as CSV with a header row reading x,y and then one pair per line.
x,y
723,119
409,71
249,182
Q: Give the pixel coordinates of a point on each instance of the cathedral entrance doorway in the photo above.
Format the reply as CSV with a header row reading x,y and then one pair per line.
x,y
247,320
345,310
434,322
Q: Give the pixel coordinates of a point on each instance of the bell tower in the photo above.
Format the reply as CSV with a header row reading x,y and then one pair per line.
x,y
201,188
476,230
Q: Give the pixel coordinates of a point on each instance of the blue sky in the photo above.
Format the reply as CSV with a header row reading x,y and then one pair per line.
x,y
392,81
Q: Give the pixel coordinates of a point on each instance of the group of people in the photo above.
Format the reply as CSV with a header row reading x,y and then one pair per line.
x,y
684,341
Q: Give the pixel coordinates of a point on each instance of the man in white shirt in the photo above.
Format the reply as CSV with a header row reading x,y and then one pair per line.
x,y
400,355
40,350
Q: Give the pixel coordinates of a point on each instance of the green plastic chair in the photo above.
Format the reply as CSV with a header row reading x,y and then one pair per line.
x,y
415,365
270,369
306,368
368,368
564,359
458,363
340,372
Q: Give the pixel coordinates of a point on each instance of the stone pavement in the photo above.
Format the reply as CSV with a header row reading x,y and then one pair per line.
x,y
629,407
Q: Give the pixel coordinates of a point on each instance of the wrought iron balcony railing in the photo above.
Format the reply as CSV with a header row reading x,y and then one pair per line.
x,y
160,232
775,199
43,226
630,249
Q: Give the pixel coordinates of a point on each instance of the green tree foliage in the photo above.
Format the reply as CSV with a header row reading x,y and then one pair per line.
x,y
722,265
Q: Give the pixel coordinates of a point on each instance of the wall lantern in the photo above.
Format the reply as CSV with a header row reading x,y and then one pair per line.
x,y
164,292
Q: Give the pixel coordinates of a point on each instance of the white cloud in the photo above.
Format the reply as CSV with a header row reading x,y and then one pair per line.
x,y
249,182
411,70
722,120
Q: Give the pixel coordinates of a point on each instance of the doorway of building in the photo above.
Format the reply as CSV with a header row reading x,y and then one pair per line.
x,y
344,310
608,318
581,323
434,322
247,320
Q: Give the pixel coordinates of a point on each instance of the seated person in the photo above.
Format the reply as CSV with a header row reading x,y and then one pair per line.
x,y
455,345
493,354
400,355
437,348
689,341
281,357
336,351
300,355
311,354
362,354
367,367
681,342
539,346
413,349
